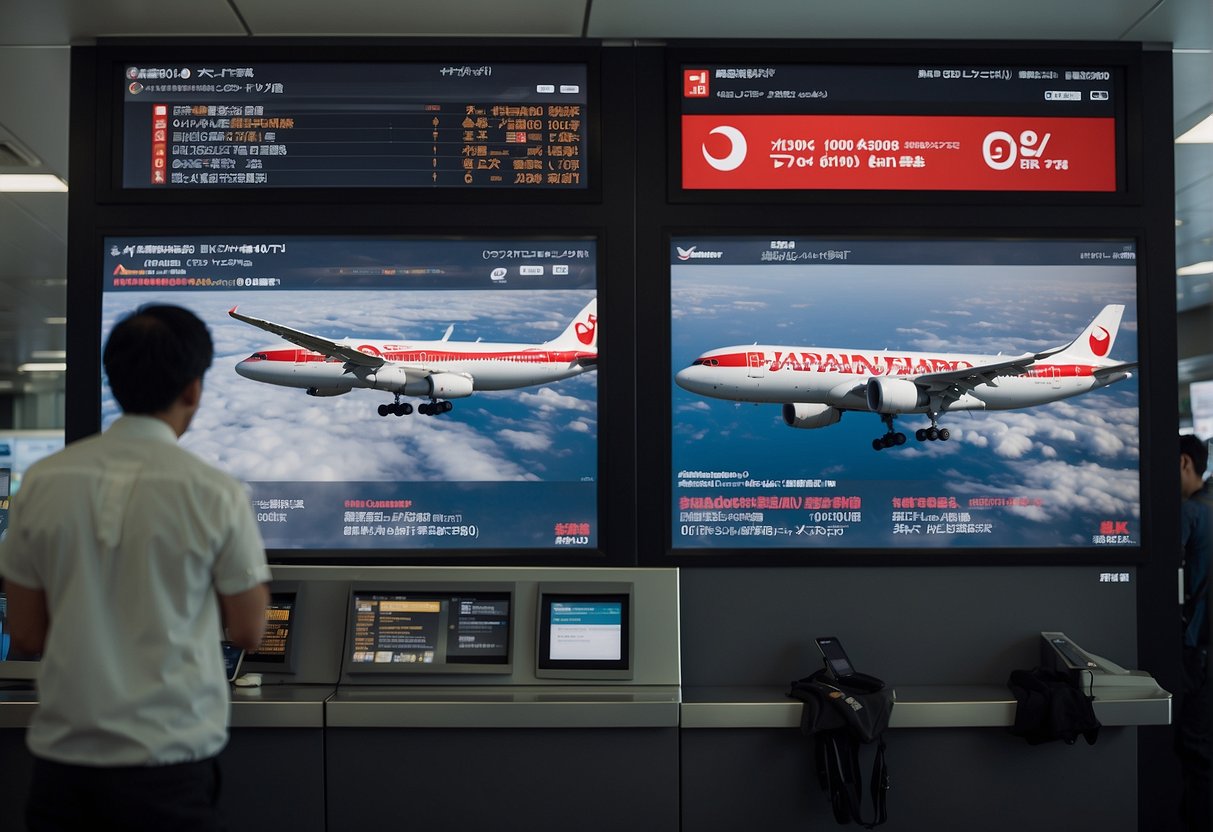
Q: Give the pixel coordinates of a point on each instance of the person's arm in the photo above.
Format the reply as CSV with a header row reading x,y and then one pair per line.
x,y
244,616
28,618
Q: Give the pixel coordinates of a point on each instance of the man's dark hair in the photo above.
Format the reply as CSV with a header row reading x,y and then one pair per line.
x,y
153,354
1197,449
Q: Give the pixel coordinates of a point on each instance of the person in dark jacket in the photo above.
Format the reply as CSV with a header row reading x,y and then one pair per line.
x,y
1196,703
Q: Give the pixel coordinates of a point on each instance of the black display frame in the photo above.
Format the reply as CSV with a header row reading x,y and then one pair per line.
x,y
612,518
603,211
661,527
112,55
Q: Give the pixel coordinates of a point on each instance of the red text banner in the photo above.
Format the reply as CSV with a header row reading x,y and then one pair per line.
x,y
898,153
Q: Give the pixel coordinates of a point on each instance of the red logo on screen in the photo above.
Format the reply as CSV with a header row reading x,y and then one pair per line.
x,y
1101,339
585,332
736,148
694,83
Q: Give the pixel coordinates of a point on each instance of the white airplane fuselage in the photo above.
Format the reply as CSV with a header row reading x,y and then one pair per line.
x,y
489,366
838,377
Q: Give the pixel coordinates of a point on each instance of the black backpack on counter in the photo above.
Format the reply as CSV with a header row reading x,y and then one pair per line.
x,y
840,715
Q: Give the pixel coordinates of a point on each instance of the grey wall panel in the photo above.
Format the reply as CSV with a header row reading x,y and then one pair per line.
x,y
595,780
961,779
908,626
273,778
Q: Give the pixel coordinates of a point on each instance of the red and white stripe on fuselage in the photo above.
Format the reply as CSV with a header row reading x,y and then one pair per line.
x,y
493,366
776,374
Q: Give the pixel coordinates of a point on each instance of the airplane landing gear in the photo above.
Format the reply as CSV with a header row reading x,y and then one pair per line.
x,y
434,407
933,432
398,408
890,438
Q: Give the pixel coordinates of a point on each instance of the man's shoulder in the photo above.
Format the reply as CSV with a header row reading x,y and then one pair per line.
x,y
1203,497
191,466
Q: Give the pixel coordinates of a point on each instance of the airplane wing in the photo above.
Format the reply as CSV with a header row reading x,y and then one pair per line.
x,y
953,384
314,343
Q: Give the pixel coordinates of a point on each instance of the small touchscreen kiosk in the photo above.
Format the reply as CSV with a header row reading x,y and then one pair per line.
x,y
585,631
274,654
429,630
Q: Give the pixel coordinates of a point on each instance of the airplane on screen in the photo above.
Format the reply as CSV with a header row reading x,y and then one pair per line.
x,y
816,385
436,370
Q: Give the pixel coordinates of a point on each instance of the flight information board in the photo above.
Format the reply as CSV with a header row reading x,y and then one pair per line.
x,y
355,125
897,128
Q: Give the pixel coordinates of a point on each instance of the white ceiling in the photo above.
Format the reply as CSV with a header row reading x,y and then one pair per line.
x,y
35,36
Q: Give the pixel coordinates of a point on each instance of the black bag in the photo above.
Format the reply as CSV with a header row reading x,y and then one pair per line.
x,y
1049,706
840,716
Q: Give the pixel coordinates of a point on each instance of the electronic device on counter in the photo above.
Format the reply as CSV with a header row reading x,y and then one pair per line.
x,y
1087,670
838,664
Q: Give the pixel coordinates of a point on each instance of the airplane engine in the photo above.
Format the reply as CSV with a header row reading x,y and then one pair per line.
x,y
810,415
392,379
441,386
894,395
327,391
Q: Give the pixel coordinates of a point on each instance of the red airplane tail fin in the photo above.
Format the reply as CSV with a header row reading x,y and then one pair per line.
x,y
1096,341
582,333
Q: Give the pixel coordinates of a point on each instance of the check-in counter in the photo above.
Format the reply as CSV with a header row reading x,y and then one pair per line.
x,y
505,707
511,698
746,740
280,706
926,706
273,766
17,706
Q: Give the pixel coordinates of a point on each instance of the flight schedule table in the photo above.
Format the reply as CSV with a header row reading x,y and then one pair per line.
x,y
294,125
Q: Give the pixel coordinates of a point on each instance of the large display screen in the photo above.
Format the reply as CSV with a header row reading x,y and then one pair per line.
x,y
904,394
409,631
389,394
453,124
922,127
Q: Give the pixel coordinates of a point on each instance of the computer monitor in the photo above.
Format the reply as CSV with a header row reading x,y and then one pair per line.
x,y
429,630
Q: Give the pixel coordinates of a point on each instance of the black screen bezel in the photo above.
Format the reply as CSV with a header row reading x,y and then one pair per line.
x,y
661,527
611,509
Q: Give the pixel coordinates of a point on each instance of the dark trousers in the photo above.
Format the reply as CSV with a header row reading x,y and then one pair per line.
x,y
172,798
1194,729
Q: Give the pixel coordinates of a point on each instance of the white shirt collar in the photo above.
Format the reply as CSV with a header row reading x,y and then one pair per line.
x,y
134,426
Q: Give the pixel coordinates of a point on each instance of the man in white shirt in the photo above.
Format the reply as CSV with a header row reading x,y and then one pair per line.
x,y
124,554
